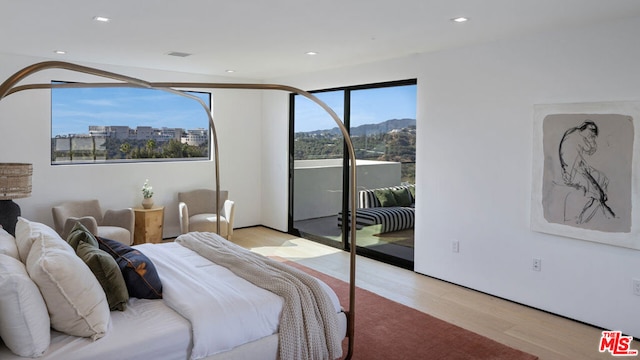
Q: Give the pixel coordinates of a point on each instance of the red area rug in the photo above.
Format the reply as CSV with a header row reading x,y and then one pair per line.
x,y
385,329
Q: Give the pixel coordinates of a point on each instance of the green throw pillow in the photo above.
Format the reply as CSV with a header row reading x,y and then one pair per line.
x,y
106,270
385,196
412,190
402,197
80,234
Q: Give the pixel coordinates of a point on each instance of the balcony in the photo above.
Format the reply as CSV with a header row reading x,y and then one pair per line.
x,y
318,184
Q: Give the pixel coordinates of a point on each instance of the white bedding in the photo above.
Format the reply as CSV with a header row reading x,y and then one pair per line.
x,y
238,313
148,329
308,320
225,311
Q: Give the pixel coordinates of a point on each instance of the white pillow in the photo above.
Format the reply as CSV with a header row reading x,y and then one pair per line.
x,y
27,232
24,321
8,244
76,302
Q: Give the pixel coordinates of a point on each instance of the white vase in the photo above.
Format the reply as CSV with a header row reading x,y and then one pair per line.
x,y
147,203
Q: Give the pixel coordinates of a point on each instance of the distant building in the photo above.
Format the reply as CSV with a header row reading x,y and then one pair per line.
x,y
139,133
115,132
166,134
144,133
195,137
92,146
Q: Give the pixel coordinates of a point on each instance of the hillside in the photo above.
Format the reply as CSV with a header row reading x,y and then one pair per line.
x,y
392,140
367,129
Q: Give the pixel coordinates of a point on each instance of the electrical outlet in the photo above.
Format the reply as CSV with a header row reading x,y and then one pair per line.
x,y
455,246
537,264
636,287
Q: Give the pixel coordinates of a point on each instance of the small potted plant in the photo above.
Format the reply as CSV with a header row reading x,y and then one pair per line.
x,y
147,194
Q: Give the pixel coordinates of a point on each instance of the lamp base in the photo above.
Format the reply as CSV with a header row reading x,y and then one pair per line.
x,y
9,212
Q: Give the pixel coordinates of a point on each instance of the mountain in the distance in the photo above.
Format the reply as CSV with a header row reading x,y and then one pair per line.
x,y
370,129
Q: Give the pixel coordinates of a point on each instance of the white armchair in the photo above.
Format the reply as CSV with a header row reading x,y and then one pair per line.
x,y
197,210
113,224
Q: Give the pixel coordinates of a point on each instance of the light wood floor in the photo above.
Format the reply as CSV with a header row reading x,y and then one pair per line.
x,y
536,332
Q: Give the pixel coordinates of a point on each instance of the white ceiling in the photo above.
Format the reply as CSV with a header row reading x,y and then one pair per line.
x,y
262,39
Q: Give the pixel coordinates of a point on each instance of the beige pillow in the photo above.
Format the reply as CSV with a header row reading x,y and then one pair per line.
x,y
8,244
76,302
27,232
24,324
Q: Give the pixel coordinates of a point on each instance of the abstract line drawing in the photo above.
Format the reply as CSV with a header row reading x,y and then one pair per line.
x,y
577,144
585,172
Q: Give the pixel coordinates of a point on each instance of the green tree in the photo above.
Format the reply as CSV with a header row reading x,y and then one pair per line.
x,y
150,146
125,148
173,149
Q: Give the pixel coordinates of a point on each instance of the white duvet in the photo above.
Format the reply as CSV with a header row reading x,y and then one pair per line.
x,y
309,326
224,310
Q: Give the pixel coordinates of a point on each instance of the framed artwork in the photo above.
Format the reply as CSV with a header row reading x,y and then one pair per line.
x,y
585,172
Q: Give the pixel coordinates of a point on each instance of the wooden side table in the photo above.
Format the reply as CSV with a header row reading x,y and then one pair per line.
x,y
148,227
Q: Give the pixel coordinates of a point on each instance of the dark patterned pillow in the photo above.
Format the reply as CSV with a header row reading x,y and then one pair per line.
x,y
138,271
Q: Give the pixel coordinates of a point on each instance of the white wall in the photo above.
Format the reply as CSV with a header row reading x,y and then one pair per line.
x,y
275,160
474,156
25,123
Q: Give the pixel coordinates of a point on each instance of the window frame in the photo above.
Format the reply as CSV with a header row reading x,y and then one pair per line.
x,y
98,153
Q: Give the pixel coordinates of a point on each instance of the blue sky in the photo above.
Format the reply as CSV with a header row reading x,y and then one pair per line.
x,y
73,110
368,106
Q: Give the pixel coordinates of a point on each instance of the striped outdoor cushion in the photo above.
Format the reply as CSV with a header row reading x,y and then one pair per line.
x,y
371,212
392,218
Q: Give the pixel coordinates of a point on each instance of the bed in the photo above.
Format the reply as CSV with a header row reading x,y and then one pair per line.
x,y
172,327
219,316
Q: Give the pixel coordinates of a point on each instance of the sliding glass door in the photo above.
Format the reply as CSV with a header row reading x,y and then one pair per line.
x,y
317,168
383,129
382,123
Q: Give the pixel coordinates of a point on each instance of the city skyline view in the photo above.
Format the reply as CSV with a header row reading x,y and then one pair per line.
x,y
74,110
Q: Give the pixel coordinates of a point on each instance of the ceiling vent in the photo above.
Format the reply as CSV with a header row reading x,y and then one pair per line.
x,y
179,54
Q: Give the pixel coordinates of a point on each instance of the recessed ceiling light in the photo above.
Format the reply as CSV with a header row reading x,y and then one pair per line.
x,y
60,52
311,53
460,19
101,18
230,71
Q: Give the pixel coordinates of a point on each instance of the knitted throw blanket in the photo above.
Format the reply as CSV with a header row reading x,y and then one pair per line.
x,y
308,323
